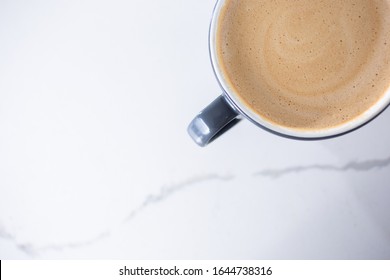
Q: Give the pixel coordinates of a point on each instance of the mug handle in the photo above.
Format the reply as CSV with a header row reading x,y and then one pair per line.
x,y
213,121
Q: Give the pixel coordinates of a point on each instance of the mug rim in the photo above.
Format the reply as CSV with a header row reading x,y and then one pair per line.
x,y
309,134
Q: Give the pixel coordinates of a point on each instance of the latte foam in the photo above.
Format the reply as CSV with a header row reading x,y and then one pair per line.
x,y
305,64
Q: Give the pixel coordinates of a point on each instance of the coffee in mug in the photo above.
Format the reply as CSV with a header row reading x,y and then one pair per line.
x,y
303,68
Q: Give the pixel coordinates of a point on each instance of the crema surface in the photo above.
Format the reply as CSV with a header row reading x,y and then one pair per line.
x,y
305,64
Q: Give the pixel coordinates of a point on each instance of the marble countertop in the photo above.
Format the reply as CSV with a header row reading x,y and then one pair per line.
x,y
95,161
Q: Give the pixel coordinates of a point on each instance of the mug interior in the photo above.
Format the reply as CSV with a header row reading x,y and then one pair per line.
x,y
250,114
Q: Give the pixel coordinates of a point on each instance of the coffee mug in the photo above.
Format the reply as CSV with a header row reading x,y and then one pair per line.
x,y
296,68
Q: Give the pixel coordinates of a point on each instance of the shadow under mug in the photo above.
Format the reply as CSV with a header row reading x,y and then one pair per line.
x,y
228,109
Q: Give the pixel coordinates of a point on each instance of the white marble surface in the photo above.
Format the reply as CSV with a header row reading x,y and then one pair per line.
x,y
95,161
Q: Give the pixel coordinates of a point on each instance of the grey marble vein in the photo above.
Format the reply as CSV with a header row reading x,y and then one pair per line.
x,y
358,166
33,251
26,248
169,190
74,245
164,193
